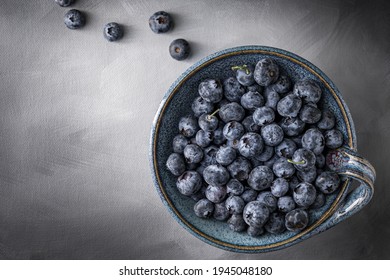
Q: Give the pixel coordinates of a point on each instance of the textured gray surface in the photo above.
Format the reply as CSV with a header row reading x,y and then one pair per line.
x,y
76,112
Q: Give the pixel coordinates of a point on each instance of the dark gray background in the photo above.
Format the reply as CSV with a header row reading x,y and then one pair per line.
x,y
76,113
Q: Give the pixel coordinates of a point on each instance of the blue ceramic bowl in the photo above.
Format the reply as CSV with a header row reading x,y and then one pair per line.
x,y
177,103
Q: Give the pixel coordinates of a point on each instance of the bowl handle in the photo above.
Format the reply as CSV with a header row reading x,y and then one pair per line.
x,y
347,162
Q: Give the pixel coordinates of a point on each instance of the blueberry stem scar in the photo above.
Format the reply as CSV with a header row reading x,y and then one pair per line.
x,y
209,116
242,67
296,162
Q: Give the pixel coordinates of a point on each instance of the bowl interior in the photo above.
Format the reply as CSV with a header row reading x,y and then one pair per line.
x,y
177,103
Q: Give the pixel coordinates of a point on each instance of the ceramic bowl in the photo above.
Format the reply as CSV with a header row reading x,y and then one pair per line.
x,y
177,103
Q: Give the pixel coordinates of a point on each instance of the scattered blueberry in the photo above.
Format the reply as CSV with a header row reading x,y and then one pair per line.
x,y
160,22
64,3
179,49
319,201
113,31
74,19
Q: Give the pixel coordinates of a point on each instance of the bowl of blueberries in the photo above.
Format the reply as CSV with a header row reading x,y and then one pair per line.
x,y
253,149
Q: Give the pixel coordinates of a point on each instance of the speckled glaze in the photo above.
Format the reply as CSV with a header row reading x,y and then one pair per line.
x,y
177,102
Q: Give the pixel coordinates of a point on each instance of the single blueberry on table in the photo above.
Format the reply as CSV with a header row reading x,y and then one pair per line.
x,y
313,140
211,90
271,97
309,113
289,106
249,195
113,31
272,134
231,112
233,130
263,116
292,126
328,182
234,204
255,231
233,90
179,143
200,106
237,223
286,204
252,100
64,3
260,178
333,138
280,187
193,153
266,72
208,122
268,199
327,120
256,214
204,138
250,125
296,220
251,144
244,74
276,223
304,194
216,175
220,212
240,168
160,22
225,155
189,183
308,90
216,194
204,208
283,84
74,19
282,168
179,49
176,164
188,126
234,187
286,148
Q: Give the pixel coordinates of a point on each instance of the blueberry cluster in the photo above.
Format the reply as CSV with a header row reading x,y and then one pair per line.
x,y
252,152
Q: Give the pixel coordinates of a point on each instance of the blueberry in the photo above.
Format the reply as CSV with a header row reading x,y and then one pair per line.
x,y
240,168
282,168
255,231
208,122
200,168
304,194
211,90
226,155
233,143
319,201
179,49
276,223
233,130
255,87
209,156
327,182
216,194
268,199
270,163
235,187
293,181
244,74
333,138
266,72
249,195
231,112
200,106
74,19
113,31
286,204
289,106
216,175
296,220
189,183
256,214
271,97
308,175
313,140
204,208
220,212
199,194
204,138
303,159
308,90
297,140
272,134
219,138
279,187
160,22
179,143
188,126
251,144
223,102
252,100
283,84
234,204
260,178
233,90
237,223
250,125
320,161
286,148
327,120
193,153
310,113
263,116
176,164
64,3
292,126
267,153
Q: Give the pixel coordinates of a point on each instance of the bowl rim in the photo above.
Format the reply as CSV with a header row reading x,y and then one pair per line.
x,y
254,49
